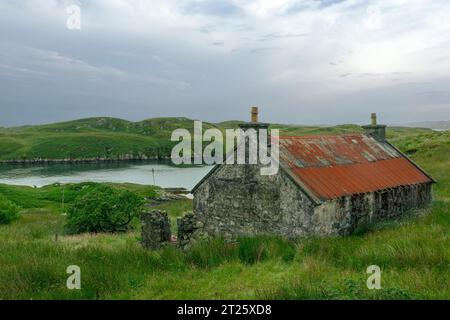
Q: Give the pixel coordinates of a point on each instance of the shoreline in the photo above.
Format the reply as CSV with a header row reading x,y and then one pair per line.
x,y
76,161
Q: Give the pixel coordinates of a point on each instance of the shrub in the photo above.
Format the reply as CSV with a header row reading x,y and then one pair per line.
x,y
9,211
103,209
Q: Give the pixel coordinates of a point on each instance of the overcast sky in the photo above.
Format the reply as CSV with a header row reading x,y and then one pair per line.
x,y
301,61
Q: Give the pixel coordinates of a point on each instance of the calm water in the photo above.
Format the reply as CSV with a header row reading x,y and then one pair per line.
x,y
165,175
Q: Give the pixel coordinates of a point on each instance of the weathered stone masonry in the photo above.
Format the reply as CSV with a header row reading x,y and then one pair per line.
x,y
237,200
343,215
155,232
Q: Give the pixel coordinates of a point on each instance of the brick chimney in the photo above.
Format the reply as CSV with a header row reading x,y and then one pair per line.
x,y
377,131
254,121
254,124
254,114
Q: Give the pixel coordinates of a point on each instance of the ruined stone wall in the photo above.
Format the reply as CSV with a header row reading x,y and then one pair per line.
x,y
236,200
342,216
187,228
155,230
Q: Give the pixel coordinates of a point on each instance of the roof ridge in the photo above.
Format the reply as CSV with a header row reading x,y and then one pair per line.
x,y
324,135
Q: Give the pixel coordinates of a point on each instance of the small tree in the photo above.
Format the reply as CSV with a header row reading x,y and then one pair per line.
x,y
103,209
9,211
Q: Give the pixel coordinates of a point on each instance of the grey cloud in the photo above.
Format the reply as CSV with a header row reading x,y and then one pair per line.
x,y
303,5
380,74
437,96
327,3
336,63
210,7
369,74
272,36
263,49
207,29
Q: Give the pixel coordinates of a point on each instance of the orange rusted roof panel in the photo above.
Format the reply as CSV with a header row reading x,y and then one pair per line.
x,y
336,166
320,151
334,182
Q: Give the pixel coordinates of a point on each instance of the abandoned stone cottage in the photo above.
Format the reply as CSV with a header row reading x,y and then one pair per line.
x,y
326,185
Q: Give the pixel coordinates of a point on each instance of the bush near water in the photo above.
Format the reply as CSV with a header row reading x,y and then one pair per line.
x,y
104,209
9,211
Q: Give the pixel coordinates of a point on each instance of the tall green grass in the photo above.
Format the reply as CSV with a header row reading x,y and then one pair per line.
x,y
414,257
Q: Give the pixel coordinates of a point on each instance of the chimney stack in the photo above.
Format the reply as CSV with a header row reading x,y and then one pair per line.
x,y
254,124
373,118
377,131
254,114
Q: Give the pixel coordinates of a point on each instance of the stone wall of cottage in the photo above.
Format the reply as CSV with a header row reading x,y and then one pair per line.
x,y
344,215
237,200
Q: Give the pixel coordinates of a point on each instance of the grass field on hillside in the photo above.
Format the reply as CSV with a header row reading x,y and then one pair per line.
x,y
413,253
104,137
111,138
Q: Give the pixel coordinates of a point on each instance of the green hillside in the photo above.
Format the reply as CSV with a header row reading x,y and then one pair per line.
x,y
107,138
112,138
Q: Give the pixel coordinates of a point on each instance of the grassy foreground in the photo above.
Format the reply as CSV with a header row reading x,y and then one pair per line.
x,y
413,253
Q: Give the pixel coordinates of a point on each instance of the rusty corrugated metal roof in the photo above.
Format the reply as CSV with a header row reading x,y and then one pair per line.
x,y
332,166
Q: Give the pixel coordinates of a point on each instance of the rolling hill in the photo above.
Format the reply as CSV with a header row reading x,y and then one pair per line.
x,y
105,138
92,138
436,125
